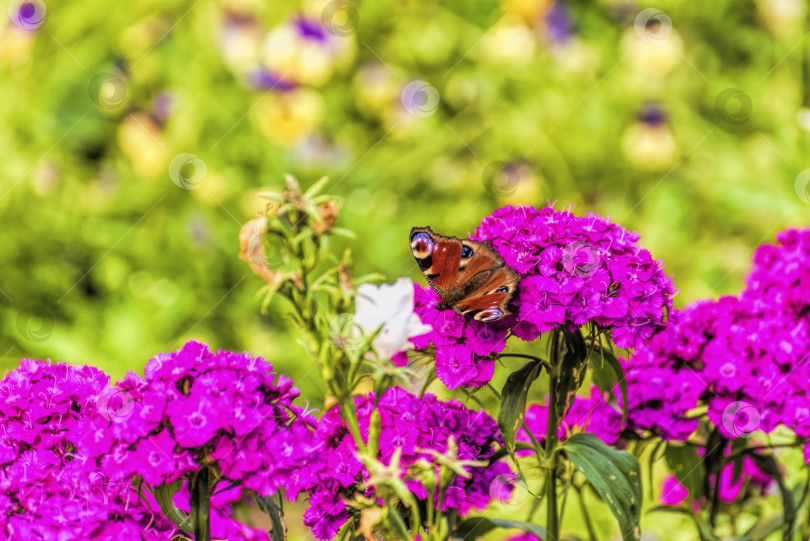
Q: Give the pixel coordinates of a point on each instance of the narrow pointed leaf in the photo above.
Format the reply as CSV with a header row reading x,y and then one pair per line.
x,y
163,496
513,403
477,527
687,466
615,475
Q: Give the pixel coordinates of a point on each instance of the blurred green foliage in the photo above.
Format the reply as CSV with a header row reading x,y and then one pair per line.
x,y
685,121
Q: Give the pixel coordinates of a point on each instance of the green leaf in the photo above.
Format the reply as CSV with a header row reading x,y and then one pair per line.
x,y
502,452
316,187
163,496
572,371
270,508
614,474
768,465
513,403
343,232
703,527
476,527
764,527
653,460
687,466
602,373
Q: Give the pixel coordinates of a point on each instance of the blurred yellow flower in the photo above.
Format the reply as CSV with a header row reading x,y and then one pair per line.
x,y
655,54
302,50
142,141
240,43
649,146
288,118
509,42
375,89
783,17
529,10
15,44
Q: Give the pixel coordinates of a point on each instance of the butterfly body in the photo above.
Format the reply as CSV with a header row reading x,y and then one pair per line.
x,y
470,276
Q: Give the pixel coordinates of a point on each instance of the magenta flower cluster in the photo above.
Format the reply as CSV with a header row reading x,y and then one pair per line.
x,y
780,277
196,407
463,347
746,357
415,426
49,491
592,415
576,270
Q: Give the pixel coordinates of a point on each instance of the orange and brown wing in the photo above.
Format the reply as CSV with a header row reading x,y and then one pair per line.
x,y
470,276
489,302
438,258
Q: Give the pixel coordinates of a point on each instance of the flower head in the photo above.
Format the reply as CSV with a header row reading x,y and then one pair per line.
x,y
388,310
49,490
577,270
745,357
415,427
196,407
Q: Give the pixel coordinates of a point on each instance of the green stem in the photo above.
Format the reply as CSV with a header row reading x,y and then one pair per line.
x,y
584,510
552,517
522,356
201,506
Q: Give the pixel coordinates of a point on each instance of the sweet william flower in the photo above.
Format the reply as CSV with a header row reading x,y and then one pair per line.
x,y
579,269
389,309
413,425
50,488
463,347
574,270
203,409
672,491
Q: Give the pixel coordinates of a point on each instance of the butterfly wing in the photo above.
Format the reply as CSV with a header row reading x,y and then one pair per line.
x,y
489,302
438,258
470,276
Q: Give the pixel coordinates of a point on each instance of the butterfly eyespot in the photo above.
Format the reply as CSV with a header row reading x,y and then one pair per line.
x,y
421,244
502,289
466,252
489,315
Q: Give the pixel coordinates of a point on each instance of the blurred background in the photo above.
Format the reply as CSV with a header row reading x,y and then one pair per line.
x,y
135,142
136,138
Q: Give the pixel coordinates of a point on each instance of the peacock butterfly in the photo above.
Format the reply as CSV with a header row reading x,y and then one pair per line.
x,y
470,276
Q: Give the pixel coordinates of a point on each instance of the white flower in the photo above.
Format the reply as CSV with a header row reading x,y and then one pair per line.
x,y
388,307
